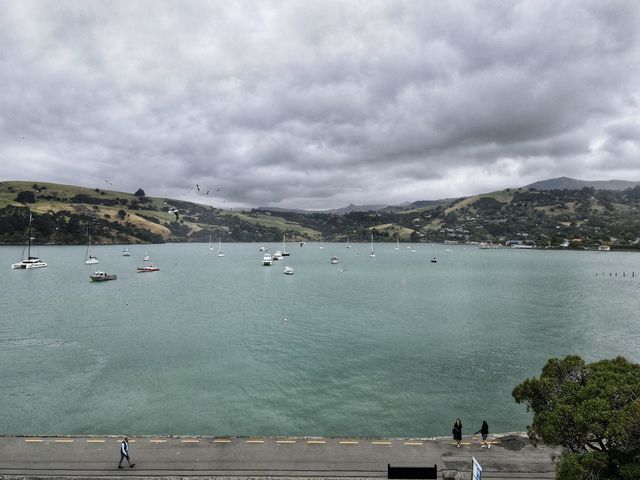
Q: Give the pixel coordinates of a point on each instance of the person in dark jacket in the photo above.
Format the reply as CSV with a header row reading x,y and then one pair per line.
x,y
484,431
124,453
457,432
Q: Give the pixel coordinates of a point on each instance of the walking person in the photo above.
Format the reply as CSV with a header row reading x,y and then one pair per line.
x,y
457,432
124,453
484,431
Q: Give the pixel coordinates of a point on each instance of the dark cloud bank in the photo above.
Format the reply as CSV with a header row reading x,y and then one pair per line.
x,y
317,104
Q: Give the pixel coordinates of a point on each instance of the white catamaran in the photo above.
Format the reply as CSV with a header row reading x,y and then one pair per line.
x,y
29,262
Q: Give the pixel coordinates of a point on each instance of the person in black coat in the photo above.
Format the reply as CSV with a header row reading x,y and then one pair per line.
x,y
484,431
457,432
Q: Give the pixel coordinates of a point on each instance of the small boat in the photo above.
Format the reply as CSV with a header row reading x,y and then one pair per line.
x,y
90,259
434,260
210,247
267,260
100,276
126,252
277,255
397,243
288,270
284,246
302,244
220,254
334,260
148,268
348,244
146,257
30,262
263,248
372,253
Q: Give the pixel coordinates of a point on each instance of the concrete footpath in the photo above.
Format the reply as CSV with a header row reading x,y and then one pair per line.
x,y
511,456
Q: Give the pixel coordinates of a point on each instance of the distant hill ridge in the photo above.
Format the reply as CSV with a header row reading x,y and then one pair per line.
x,y
567,183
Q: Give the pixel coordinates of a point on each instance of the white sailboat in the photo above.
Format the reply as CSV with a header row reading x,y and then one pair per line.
x,y
348,244
90,259
372,253
146,257
210,246
126,252
397,242
29,262
220,254
284,246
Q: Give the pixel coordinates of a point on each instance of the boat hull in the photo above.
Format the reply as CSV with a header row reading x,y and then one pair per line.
x,y
102,278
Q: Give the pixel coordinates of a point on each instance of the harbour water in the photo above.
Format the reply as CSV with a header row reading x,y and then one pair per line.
x,y
388,346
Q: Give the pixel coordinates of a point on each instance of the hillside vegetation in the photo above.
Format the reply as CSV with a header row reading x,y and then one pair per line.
x,y
65,214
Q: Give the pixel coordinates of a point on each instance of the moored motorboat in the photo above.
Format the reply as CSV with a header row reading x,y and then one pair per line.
x,y
267,260
100,276
288,270
126,252
334,260
148,268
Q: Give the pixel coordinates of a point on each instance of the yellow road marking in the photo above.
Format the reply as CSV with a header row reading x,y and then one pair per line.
x,y
413,443
158,441
316,441
222,440
63,440
254,441
380,443
34,440
285,441
348,442
95,441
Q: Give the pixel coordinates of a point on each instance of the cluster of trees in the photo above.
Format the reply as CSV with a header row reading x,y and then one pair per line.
x,y
593,411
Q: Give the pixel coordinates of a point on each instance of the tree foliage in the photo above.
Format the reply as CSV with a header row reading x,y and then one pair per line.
x,y
592,410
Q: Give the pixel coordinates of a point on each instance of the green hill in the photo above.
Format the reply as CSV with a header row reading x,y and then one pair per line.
x,y
64,214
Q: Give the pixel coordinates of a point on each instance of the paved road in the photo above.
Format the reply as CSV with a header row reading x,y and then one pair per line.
x,y
511,457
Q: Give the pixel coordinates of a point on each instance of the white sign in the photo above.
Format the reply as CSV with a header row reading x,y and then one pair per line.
x,y
476,473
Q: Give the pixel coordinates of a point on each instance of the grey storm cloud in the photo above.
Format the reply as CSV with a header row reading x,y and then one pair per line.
x,y
317,104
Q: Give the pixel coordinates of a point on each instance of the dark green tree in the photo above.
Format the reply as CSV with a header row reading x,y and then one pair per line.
x,y
592,410
26,197
139,193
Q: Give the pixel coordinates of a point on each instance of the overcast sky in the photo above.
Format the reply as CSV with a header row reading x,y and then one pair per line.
x,y
317,104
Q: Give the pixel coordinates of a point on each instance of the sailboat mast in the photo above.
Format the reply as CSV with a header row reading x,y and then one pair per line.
x,y
29,239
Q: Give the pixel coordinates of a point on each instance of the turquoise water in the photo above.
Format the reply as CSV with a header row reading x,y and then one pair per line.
x,y
391,346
